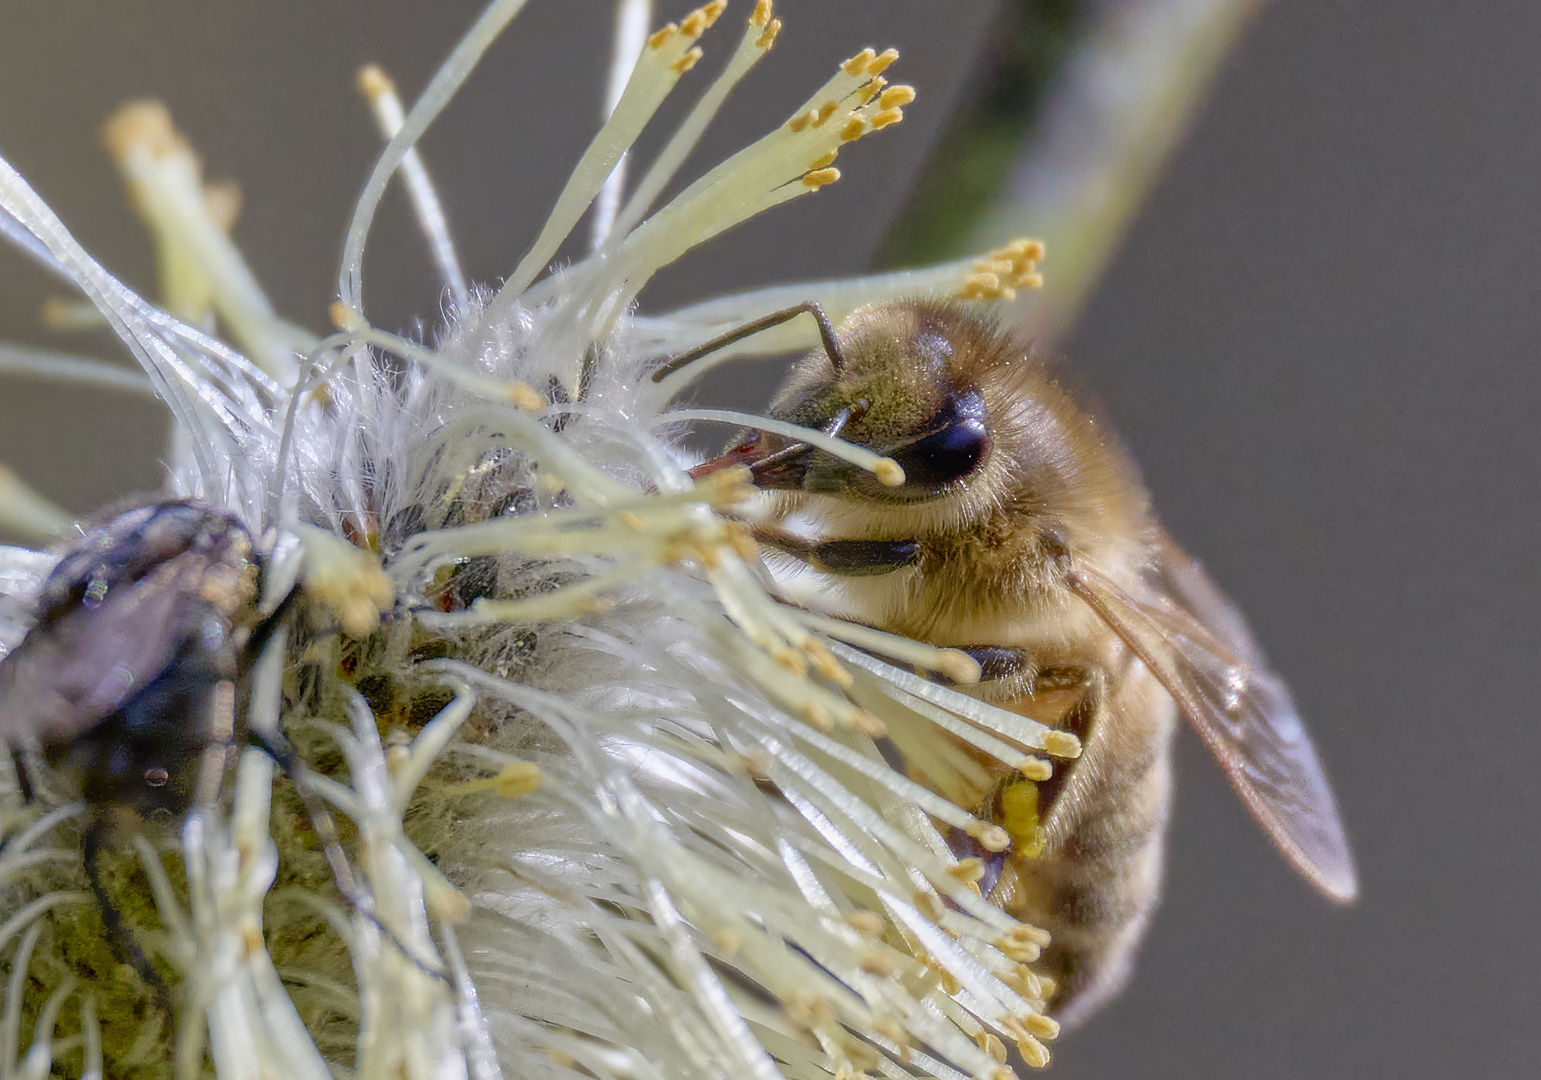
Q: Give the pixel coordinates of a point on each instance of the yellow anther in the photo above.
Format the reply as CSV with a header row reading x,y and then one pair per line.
x,y
854,129
826,161
1023,952
880,63
826,110
345,318
859,64
1033,1052
872,90
373,82
887,118
951,984
802,120
1031,250
632,520
1047,987
1002,1072
880,964
757,764
767,38
888,471
892,1030
1035,768
928,906
396,758
970,869
686,62
1062,744
993,1046
445,903
518,779
1044,1027
818,178
694,24
866,923
867,724
816,714
761,15
143,124
895,96
251,937
791,659
958,666
728,942
526,397
991,837
662,35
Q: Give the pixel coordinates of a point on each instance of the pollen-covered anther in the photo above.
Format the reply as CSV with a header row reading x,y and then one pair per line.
x,y
871,90
1061,744
992,1045
928,905
881,62
854,129
595,605
346,318
1025,932
518,779
790,659
526,397
892,1030
881,964
826,161
958,666
967,870
632,520
696,23
767,38
991,837
373,82
445,903
728,942
826,665
866,923
1035,768
1045,1027
688,61
889,472
868,725
757,764
143,125
857,65
896,96
810,1011
818,715
660,37
1033,1052
347,581
1023,952
818,178
887,118
761,15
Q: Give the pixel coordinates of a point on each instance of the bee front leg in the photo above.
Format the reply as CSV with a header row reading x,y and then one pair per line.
x,y
847,558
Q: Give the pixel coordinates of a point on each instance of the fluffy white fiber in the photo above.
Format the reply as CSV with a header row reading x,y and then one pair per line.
x,y
612,810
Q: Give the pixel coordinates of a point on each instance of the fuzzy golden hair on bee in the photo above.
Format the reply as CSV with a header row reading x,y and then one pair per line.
x,y
1003,468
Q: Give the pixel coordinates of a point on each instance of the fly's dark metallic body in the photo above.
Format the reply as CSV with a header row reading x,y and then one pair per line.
x,y
126,682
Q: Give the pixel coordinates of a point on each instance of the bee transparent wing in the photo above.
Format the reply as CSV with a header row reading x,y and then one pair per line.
x,y
1199,648
62,679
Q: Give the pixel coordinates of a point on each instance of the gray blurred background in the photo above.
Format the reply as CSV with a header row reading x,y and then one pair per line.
x,y
1319,339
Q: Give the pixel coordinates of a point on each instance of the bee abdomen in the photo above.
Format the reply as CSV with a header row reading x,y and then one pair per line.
x,y
1096,884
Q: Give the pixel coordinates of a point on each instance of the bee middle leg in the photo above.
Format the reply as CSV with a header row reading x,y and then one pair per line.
x,y
847,558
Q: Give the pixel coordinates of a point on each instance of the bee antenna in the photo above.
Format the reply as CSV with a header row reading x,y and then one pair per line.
x,y
749,329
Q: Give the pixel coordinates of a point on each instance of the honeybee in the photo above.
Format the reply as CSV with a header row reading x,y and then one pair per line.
x,y
1021,534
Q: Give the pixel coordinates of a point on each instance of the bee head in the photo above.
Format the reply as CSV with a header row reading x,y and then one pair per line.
x,y
906,384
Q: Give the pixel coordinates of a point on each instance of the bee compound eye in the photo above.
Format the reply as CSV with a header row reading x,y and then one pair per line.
x,y
951,449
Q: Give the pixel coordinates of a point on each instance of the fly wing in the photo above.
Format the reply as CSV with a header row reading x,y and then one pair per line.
x,y
1196,644
65,677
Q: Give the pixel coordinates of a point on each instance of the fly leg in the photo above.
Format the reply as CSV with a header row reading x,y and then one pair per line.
x,y
95,838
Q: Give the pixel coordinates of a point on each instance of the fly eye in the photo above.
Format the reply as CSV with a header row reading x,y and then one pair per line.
x,y
952,448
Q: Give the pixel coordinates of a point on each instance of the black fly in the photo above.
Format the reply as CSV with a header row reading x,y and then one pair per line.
x,y
127,681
